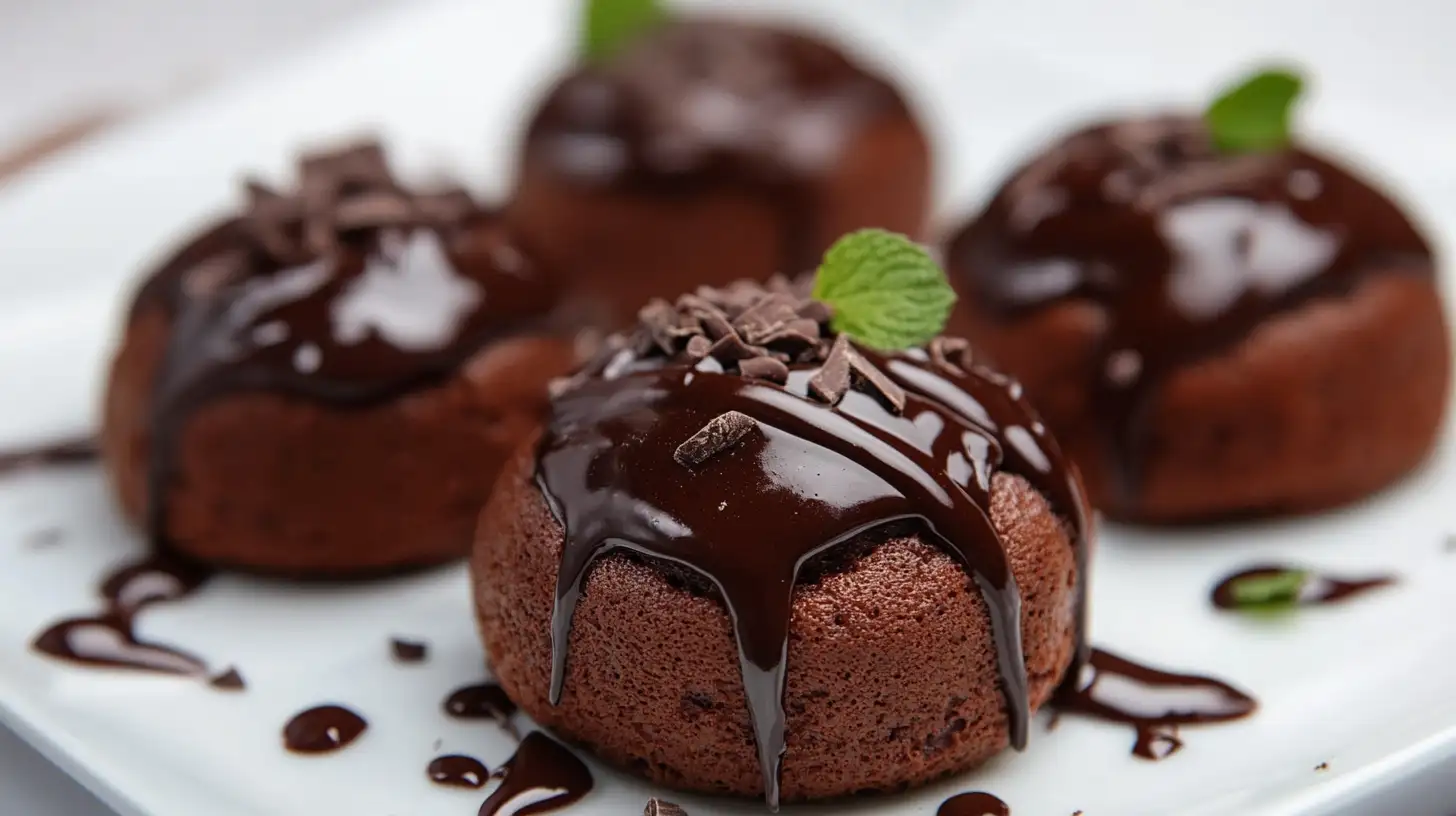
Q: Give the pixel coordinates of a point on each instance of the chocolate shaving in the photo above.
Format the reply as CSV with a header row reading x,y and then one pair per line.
x,y
662,807
832,381
869,378
730,347
698,347
722,433
951,353
764,368
816,310
373,210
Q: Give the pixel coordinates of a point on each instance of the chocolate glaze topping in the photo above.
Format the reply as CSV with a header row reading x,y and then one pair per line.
x,y
643,453
540,763
322,729
976,803
710,103
109,639
1318,589
1153,701
350,290
458,771
1185,248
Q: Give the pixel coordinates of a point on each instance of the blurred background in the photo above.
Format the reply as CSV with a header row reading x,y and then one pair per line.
x,y
72,69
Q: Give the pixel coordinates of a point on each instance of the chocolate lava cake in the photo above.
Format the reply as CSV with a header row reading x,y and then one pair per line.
x,y
327,382
1209,333
749,556
704,151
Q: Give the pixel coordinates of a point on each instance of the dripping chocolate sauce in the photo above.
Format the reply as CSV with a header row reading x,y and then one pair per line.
x,y
1318,588
976,803
458,771
74,451
643,104
322,729
1154,702
606,467
298,295
109,638
539,764
1184,248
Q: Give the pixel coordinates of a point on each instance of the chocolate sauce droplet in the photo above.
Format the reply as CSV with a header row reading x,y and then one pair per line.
x,y
539,764
109,639
821,471
78,450
1153,701
1184,249
409,651
976,803
1316,590
458,771
481,701
230,680
322,729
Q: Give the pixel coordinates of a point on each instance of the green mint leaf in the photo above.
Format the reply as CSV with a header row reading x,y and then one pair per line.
x,y
1253,116
885,289
610,24
1268,590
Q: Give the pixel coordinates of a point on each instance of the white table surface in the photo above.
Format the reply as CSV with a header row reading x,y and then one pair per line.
x,y
58,57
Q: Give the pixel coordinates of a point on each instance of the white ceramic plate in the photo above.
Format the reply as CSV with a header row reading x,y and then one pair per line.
x,y
1364,688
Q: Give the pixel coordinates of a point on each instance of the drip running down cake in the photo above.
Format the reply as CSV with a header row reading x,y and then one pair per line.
x,y
750,554
1213,323
326,382
701,151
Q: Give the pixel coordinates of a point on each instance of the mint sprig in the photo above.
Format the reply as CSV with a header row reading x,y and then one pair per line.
x,y
607,25
1278,589
886,291
1253,116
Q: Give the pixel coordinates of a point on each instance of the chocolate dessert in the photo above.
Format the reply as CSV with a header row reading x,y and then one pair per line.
x,y
1214,319
326,382
703,151
750,554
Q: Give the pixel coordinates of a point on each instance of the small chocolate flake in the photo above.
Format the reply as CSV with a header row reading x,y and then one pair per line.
x,y
662,807
871,379
731,348
816,310
1323,766
793,335
951,353
409,651
723,432
698,347
381,209
715,323
764,368
832,381
229,680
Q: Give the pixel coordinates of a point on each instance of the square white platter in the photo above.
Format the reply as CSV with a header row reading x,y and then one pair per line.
x,y
1363,688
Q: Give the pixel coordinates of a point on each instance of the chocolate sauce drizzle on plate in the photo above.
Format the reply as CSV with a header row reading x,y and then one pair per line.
x,y
1152,701
708,103
1316,589
1185,248
351,291
109,639
322,729
458,771
976,803
643,449
75,451
409,651
539,764
482,701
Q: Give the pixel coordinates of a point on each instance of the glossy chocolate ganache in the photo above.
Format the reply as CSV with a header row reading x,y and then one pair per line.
x,y
734,436
697,103
1184,247
350,290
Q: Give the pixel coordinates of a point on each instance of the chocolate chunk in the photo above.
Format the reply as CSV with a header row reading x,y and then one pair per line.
x,y
764,368
768,314
950,352
730,348
816,310
382,209
409,651
725,431
229,680
698,347
872,380
832,381
662,807
792,336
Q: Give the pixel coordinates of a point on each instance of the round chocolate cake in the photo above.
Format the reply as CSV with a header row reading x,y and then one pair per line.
x,y
1209,333
705,151
327,383
749,556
